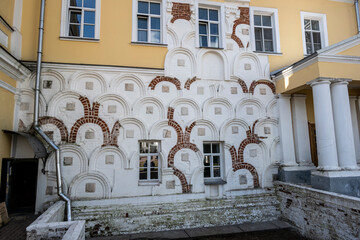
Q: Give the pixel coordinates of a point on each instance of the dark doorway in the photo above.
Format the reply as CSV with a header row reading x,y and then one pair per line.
x,y
18,184
313,146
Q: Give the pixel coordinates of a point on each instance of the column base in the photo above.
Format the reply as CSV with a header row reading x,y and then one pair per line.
x,y
343,182
296,174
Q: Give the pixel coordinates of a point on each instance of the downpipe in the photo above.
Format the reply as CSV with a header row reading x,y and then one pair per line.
x,y
357,15
36,125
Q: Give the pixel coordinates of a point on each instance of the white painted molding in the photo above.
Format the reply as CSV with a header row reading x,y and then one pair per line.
x,y
7,87
12,67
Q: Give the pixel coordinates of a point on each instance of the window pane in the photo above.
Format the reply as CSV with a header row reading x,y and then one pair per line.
x,y
308,48
315,25
142,23
317,46
76,3
206,160
214,29
216,161
75,16
154,147
155,23
213,15
258,34
316,37
155,8
258,46
207,172
143,174
203,41
269,46
154,173
307,24
202,29
144,147
203,14
214,41
143,161
257,20
89,3
215,148
216,172
266,21
155,36
89,31
143,7
308,37
74,30
154,162
89,17
207,148
267,34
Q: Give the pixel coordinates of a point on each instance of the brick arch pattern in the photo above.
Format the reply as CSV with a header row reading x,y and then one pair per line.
x,y
243,86
58,123
189,82
180,11
183,142
159,79
252,170
244,19
253,85
91,115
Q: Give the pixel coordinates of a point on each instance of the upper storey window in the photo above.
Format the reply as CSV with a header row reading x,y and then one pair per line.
x,y
149,22
265,34
314,32
81,19
264,40
209,30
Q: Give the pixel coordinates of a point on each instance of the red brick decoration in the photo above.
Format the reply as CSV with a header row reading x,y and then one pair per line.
x,y
189,82
238,159
91,115
243,86
180,11
158,79
183,142
21,126
266,82
244,19
58,123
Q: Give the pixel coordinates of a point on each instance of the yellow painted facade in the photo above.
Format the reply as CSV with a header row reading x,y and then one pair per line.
x,y
354,51
7,13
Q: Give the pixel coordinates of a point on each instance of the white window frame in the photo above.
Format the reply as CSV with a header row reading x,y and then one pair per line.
x,y
323,28
273,13
134,34
221,9
64,26
211,178
149,155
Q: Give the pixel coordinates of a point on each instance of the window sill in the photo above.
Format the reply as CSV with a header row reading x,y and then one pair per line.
x,y
215,48
149,183
80,39
150,44
217,181
269,53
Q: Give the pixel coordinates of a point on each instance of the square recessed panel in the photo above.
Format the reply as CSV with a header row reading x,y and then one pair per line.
x,y
245,31
49,190
68,161
129,133
129,87
112,109
70,106
200,90
170,184
235,129
90,187
165,89
218,111
267,130
262,91
185,157
184,111
89,135
24,106
234,90
109,159
253,153
166,133
181,62
201,131
247,66
47,84
242,179
149,109
249,111
89,86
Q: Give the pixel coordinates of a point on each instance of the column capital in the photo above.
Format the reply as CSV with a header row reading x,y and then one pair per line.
x,y
320,80
340,81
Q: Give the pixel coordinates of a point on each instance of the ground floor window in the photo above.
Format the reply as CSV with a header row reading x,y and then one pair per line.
x,y
149,160
212,160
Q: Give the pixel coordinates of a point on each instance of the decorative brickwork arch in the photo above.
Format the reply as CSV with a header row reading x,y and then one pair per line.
x,y
180,11
244,19
91,115
58,123
189,82
251,169
159,79
243,86
268,83
183,142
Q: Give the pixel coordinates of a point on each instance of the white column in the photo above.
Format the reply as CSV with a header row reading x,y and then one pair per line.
x,y
301,130
286,131
355,124
343,125
324,122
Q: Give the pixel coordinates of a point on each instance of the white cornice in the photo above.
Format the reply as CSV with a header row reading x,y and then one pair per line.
x,y
12,67
8,87
344,1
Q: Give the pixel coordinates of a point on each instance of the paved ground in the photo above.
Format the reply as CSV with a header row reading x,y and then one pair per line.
x,y
16,228
274,230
